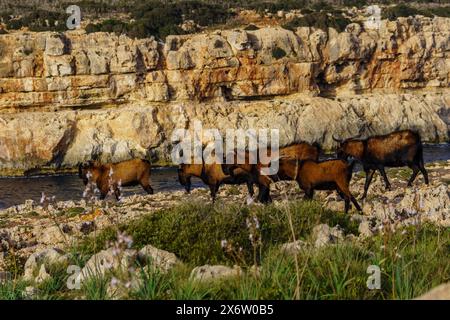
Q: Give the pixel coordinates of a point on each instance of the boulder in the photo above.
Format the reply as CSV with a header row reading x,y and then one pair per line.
x,y
294,247
323,235
51,235
54,45
108,260
49,255
215,272
160,259
365,229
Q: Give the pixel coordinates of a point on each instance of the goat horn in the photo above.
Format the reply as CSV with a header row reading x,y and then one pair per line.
x,y
335,139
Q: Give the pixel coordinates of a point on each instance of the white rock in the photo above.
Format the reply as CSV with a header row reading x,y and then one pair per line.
x,y
161,259
294,247
49,255
51,235
365,229
208,272
107,260
30,292
322,235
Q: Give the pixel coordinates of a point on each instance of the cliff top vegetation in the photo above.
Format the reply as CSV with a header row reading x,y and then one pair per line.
x,y
159,18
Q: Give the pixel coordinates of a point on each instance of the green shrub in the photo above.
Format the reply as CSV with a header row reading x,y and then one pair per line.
x,y
194,231
440,11
355,3
319,20
403,10
251,27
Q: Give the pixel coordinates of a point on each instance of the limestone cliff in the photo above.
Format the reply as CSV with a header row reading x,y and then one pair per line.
x,y
65,97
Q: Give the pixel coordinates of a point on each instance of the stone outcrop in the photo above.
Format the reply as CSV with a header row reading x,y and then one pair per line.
x,y
64,138
112,97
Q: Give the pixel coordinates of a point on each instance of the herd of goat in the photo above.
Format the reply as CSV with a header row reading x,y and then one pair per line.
x,y
298,161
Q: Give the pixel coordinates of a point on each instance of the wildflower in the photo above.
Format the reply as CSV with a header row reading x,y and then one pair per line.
x,y
115,251
256,222
114,282
247,222
224,243
42,198
107,264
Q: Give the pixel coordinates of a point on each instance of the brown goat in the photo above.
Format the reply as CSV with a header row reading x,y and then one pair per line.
x,y
213,176
396,149
312,175
296,151
326,175
111,176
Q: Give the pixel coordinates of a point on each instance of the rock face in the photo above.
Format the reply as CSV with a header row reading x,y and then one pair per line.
x,y
65,138
116,98
78,69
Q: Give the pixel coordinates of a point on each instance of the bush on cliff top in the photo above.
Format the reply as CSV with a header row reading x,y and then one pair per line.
x,y
159,19
320,20
403,10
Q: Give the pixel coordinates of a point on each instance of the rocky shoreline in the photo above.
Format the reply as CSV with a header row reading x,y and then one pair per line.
x,y
31,227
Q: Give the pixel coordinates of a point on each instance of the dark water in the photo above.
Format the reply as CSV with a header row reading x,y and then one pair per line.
x,y
15,191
